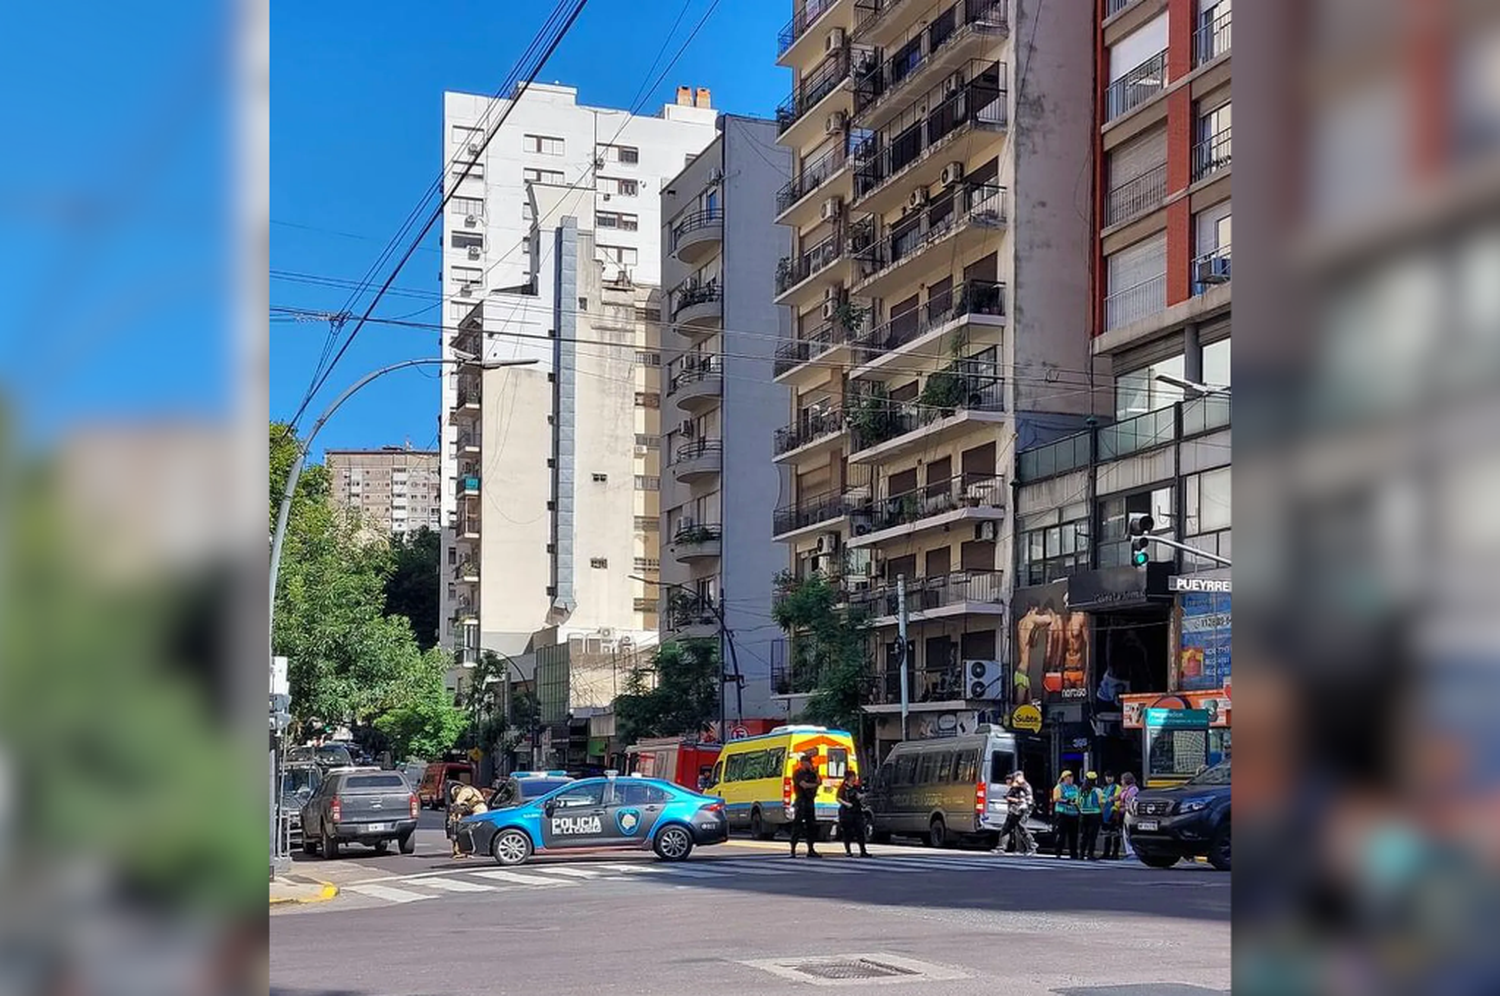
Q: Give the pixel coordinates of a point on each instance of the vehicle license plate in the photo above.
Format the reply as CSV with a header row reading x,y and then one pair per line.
x,y
380,827
1146,824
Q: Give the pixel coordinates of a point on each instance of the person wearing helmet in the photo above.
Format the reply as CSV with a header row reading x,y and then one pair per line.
x,y
463,800
1065,815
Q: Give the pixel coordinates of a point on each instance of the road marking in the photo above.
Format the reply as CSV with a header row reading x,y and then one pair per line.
x,y
681,872
752,868
455,885
634,869
569,872
387,893
516,878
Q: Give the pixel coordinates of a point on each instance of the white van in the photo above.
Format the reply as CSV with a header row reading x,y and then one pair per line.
x,y
947,790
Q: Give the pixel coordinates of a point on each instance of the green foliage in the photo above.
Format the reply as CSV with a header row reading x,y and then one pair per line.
x,y
850,317
827,643
944,391
677,694
872,417
426,723
412,588
695,534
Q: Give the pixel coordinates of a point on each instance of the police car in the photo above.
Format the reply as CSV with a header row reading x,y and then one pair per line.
x,y
621,813
523,786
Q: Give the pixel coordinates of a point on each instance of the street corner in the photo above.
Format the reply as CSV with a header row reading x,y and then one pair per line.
x,y
296,890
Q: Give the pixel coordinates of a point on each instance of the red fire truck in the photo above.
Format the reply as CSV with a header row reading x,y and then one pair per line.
x,y
677,759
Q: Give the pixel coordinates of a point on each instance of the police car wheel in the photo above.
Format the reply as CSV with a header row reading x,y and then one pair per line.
x,y
674,843
510,847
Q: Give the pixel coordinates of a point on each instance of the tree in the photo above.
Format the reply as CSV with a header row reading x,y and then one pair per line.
x,y
676,694
827,640
426,723
412,588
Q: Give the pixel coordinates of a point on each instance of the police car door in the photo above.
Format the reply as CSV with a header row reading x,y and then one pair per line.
x,y
575,817
634,809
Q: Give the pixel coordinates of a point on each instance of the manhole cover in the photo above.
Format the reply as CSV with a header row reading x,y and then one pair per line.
x,y
856,970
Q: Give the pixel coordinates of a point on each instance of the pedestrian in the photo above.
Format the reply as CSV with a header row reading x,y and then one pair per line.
x,y
1125,804
851,796
1065,815
463,800
1090,814
1112,817
1019,801
805,782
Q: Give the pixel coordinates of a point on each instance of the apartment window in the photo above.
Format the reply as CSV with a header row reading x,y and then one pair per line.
x,y
599,562
1114,525
601,478
1137,68
466,276
453,556
620,186
627,155
466,135
472,171
459,310
643,483
552,176
646,359
1137,281
1211,151
613,219
1211,229
619,255
1216,368
1137,177
467,205
647,399
1206,502
467,240
1055,544
528,211
543,145
1139,391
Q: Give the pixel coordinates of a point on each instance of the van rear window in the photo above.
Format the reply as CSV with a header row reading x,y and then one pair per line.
x,y
356,782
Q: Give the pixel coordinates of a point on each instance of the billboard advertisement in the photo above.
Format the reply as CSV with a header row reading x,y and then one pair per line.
x,y
1203,659
1052,647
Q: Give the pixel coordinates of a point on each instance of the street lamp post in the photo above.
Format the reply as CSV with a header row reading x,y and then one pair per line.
x,y
285,511
726,638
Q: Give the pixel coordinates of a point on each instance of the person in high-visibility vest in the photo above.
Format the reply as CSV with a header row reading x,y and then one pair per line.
x,y
1065,815
1113,816
1090,814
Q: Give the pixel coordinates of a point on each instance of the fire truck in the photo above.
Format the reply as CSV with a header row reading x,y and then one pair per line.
x,y
681,760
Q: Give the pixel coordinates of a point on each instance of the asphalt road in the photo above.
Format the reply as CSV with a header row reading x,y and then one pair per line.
x,y
926,922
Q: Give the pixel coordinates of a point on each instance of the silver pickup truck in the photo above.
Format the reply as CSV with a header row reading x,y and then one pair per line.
x,y
369,806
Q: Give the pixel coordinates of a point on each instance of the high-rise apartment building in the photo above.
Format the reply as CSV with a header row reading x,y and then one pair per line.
x,y
551,252
394,489
939,295
720,248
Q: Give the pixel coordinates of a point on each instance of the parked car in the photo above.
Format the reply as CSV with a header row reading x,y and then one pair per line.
x,y
324,755
432,790
1186,821
360,806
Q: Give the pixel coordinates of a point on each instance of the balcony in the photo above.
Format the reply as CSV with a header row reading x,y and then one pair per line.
x,y
907,149
1136,197
958,219
815,511
469,337
930,51
794,274
698,384
469,444
970,298
465,612
698,306
646,605
818,425
694,542
1210,270
690,617
697,236
951,398
1211,40
1135,303
958,594
1211,155
804,16
467,571
1136,87
647,524
466,403
939,504
829,75
467,485
466,525
812,176
794,353
878,22
697,459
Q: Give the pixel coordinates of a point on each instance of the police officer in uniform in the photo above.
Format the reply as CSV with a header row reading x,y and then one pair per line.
x,y
805,782
463,800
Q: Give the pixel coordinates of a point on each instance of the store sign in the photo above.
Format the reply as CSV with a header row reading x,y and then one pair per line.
x,y
1191,584
1176,718
1026,717
1052,646
1204,658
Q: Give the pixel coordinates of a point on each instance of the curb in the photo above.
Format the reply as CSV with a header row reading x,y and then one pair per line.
x,y
327,892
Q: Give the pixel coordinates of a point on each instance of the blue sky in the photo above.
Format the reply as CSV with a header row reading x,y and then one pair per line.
x,y
356,137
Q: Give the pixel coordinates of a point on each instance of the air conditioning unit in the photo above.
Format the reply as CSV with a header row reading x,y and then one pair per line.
x,y
828,543
1212,271
475,148
606,633
918,198
953,84
473,252
952,173
835,123
834,41
471,220
466,290
830,308
984,532
984,679
831,209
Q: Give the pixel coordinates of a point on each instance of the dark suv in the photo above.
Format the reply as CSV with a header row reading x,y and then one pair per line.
x,y
1189,820
360,805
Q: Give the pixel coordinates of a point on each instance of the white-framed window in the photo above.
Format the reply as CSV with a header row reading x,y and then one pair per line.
x,y
552,176
620,255
471,171
466,276
466,135
528,211
467,240
618,219
626,155
620,186
1216,366
467,205
543,145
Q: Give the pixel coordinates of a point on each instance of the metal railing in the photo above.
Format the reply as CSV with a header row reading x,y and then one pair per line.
x,y
868,14
1211,40
1134,303
467,440
811,261
812,176
687,295
1211,154
794,352
693,449
696,369
1210,269
812,426
694,533
981,102
468,568
803,15
467,523
813,511
972,297
880,420
689,610
925,594
1113,7
950,212
1142,432
695,221
819,83
962,20
938,498
645,482
1136,87
1136,196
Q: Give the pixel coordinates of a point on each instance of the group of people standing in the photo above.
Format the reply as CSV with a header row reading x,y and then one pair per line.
x,y
1083,813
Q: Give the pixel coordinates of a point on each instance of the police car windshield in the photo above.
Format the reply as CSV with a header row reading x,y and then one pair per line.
x,y
531,788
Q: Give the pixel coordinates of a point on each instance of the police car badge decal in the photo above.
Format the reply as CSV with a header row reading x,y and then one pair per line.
x,y
628,820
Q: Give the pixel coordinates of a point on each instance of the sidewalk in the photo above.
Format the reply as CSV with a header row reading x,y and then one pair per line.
x,y
301,889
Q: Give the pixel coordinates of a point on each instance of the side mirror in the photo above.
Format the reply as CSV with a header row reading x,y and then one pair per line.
x,y
549,808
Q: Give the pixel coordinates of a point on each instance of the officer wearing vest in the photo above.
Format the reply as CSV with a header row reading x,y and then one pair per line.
x,y
1090,814
1065,814
1113,817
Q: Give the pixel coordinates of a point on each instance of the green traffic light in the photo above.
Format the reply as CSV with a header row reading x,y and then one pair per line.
x,y
1140,558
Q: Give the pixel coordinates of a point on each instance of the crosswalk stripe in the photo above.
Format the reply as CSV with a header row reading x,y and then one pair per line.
x,y
751,868
454,885
634,869
817,867
678,871
389,894
516,878
565,871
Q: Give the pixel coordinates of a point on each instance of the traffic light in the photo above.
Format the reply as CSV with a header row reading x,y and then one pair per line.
x,y
1141,525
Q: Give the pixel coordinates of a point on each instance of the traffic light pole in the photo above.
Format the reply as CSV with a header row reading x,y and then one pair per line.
x,y
1193,550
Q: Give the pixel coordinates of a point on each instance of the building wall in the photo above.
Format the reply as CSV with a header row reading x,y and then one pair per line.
x,y
395,490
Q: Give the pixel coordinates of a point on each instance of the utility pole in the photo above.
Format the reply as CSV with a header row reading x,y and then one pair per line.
x,y
901,643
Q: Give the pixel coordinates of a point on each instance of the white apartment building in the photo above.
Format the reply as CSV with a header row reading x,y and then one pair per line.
x,y
722,405
394,489
551,252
